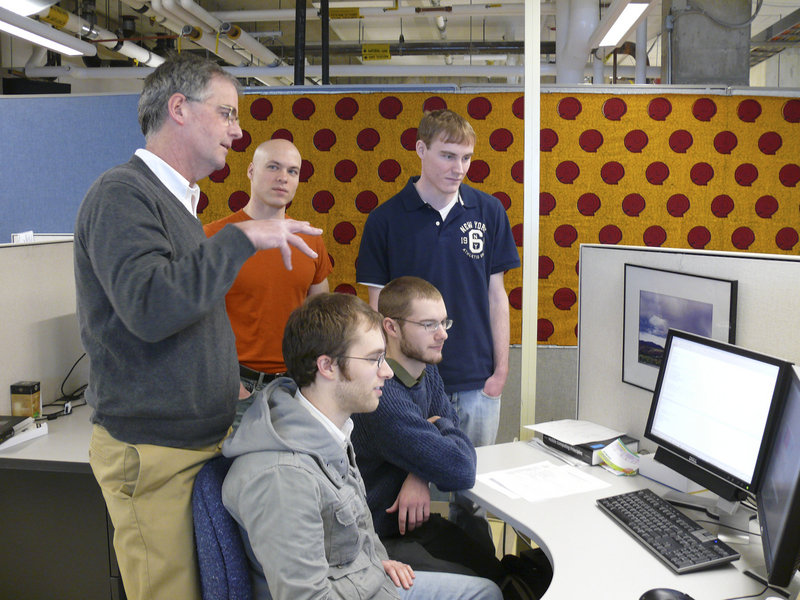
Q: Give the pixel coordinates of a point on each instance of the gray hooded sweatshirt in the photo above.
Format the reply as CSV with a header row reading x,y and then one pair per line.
x,y
301,505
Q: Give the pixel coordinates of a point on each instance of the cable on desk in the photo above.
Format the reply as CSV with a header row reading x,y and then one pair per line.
x,y
766,587
718,524
75,394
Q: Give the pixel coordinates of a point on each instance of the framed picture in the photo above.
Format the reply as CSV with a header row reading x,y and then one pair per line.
x,y
656,301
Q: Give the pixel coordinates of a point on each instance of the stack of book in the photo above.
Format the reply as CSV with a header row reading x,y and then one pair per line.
x,y
581,439
15,430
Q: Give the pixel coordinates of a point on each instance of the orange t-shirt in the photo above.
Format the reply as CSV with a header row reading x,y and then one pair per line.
x,y
264,295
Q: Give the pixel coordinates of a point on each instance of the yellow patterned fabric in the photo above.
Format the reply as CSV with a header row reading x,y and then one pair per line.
x,y
676,170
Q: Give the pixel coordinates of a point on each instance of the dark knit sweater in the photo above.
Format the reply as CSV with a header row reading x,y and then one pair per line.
x,y
397,439
151,308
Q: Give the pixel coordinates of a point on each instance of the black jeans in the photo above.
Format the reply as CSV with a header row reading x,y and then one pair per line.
x,y
441,545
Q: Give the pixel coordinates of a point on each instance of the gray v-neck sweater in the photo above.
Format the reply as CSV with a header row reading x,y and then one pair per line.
x,y
150,299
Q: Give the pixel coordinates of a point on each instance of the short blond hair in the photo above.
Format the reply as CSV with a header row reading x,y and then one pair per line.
x,y
452,128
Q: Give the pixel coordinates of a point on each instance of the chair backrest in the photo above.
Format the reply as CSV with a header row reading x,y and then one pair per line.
x,y
224,571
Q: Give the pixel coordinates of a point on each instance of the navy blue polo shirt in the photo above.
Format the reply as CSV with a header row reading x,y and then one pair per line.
x,y
406,236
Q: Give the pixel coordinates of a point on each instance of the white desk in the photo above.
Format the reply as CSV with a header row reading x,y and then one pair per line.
x,y
53,522
583,543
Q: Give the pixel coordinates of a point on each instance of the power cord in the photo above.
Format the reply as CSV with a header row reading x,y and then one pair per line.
x,y
66,401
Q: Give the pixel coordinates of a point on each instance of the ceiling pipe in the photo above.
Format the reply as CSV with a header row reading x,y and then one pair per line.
x,y
145,9
288,14
62,19
287,71
37,58
397,48
641,52
299,44
210,43
238,39
326,44
181,15
575,22
336,71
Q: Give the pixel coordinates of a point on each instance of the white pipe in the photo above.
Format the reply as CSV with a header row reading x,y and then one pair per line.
x,y
221,50
90,73
243,39
641,52
37,57
589,70
181,15
139,5
598,65
575,22
75,24
335,71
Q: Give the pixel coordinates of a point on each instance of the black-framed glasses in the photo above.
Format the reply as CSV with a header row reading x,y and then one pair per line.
x,y
227,112
430,326
378,360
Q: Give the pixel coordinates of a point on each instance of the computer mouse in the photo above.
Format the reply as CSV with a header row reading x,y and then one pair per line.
x,y
665,594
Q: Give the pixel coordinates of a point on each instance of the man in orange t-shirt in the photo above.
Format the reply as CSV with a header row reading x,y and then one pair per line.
x,y
265,293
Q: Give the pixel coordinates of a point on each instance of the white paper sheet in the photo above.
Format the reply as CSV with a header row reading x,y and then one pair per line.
x,y
540,481
575,432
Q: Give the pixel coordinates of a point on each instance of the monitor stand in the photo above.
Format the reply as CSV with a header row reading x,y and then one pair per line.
x,y
734,521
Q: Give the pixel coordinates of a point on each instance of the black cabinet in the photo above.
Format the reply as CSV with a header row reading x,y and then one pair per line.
x,y
55,534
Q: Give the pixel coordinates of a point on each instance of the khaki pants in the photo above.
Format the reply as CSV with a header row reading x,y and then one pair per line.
x,y
148,493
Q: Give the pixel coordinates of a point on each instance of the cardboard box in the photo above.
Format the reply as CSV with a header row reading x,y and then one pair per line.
x,y
26,399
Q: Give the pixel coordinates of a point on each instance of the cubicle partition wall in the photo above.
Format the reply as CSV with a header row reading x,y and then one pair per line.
x,y
38,324
766,320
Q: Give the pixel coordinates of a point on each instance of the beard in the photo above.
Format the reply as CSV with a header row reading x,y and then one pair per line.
x,y
431,358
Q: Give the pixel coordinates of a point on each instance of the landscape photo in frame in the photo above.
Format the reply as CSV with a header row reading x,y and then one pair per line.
x,y
658,300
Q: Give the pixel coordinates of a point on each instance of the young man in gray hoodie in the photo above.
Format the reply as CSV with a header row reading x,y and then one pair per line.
x,y
295,489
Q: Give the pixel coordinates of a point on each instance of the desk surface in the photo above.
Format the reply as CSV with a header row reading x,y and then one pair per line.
x,y
64,448
589,551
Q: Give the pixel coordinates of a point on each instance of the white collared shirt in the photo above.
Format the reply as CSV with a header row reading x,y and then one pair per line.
x,y
188,195
342,436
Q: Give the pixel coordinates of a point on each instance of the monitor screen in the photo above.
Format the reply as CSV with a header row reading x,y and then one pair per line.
x,y
713,409
778,494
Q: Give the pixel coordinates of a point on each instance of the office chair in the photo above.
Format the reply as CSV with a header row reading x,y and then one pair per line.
x,y
224,572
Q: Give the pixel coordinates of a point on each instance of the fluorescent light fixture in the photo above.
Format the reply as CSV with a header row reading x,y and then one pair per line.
x,y
43,35
26,7
620,19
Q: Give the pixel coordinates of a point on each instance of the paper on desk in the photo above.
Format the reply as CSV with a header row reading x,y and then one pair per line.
x,y
540,481
575,432
618,459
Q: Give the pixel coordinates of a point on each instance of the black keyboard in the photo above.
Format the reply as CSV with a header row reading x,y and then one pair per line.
x,y
666,532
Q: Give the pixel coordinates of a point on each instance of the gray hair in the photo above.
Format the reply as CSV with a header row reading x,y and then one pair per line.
x,y
183,73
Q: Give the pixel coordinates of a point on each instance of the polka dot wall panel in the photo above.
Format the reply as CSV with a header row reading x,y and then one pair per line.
x,y
358,151
679,171
682,171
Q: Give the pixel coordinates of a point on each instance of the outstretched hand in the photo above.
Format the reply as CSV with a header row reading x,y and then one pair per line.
x,y
280,234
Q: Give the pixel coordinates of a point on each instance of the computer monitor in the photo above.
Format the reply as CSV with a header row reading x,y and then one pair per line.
x,y
713,412
778,493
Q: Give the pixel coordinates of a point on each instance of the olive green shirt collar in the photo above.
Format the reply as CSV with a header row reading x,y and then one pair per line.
x,y
404,376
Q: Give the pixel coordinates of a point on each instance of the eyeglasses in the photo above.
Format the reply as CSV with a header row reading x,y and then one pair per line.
x,y
229,113
378,360
430,326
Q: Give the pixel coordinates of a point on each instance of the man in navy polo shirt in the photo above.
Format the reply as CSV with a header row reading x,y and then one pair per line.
x,y
459,239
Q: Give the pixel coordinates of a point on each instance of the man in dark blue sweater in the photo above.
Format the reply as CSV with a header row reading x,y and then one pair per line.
x,y
413,438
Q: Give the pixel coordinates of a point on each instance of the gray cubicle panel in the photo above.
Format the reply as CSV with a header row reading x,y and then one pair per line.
x,y
767,319
38,324
53,148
